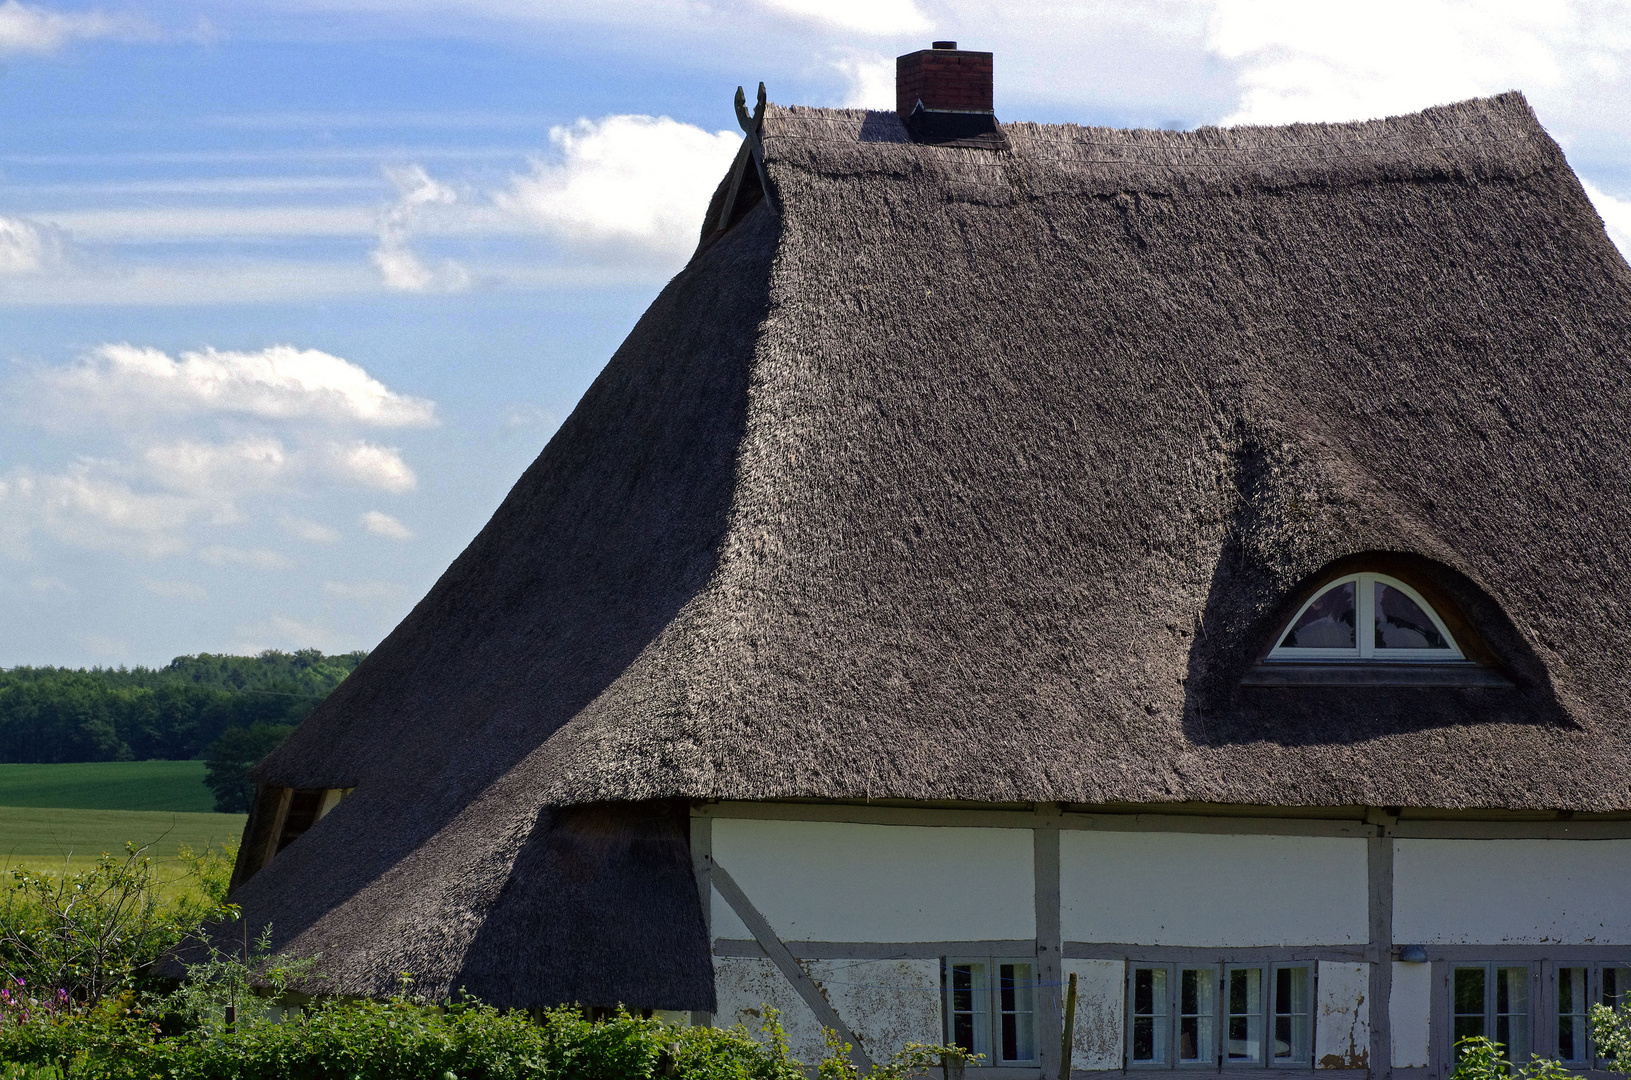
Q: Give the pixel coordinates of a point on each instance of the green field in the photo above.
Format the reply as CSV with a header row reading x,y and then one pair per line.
x,y
38,837
108,785
53,816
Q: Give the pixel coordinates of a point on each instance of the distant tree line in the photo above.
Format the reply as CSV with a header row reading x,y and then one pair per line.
x,y
50,714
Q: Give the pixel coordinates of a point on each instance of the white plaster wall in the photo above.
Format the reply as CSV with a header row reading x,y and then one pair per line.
x,y
1212,890
746,985
886,1003
1342,1016
724,922
1409,1014
1101,1006
837,881
1551,891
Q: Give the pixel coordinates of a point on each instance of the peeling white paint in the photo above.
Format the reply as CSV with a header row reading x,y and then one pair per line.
x,y
1409,1012
1566,891
1101,1006
839,881
1342,1016
746,985
1212,890
887,1003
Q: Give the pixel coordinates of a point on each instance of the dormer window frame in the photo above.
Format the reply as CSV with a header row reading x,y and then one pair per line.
x,y
1364,650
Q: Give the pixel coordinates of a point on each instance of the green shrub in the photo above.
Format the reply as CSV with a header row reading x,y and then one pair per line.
x,y
1478,1058
402,1039
69,940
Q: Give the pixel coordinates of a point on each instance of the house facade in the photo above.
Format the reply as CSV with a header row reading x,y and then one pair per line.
x,y
1189,562
1200,940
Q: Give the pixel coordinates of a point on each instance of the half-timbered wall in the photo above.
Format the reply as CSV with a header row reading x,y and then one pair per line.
x,y
841,916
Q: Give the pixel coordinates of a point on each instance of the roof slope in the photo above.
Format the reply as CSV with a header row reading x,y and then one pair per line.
x,y
985,475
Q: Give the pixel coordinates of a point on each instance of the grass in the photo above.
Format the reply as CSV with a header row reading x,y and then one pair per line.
x,y
106,785
56,817
48,839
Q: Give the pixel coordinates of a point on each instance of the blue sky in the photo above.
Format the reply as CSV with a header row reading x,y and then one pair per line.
x,y
291,292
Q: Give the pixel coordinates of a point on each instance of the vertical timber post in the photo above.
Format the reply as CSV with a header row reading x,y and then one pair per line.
x,y
1379,875
702,860
1067,1042
1049,943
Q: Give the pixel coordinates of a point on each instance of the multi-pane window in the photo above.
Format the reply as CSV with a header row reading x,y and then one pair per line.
x,y
991,1008
1616,987
1367,617
1492,1000
1573,1000
1575,989
1238,1014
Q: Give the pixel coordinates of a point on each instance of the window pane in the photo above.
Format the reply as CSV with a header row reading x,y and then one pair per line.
x,y
1245,1041
1291,1016
1327,624
1149,1041
1197,1012
1402,624
1017,1009
970,1021
1616,987
1468,1002
1571,1014
1512,1012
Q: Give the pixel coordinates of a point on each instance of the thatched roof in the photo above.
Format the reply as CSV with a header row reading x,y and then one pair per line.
x,y
985,475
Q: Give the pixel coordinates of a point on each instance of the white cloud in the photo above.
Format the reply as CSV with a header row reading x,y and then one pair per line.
x,y
369,465
397,263
1616,215
258,463
276,383
44,583
1302,61
80,507
169,224
28,28
218,469
631,180
25,248
382,524
212,439
313,532
864,16
871,81
175,590
258,558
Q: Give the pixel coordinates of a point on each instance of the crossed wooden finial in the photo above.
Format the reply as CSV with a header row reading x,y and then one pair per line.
x,y
750,124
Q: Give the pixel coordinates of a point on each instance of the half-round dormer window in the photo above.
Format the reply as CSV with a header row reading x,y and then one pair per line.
x,y
1367,617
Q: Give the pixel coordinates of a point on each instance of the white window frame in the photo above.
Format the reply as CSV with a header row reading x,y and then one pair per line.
x,y
1219,974
990,1012
1365,649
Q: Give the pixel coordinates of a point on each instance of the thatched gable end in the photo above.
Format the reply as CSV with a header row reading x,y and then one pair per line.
x,y
956,473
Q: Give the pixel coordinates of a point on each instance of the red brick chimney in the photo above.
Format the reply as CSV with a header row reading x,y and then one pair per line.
x,y
944,78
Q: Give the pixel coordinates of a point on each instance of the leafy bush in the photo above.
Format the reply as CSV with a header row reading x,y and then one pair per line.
x,y
78,1002
1611,1031
1478,1058
90,935
397,1039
